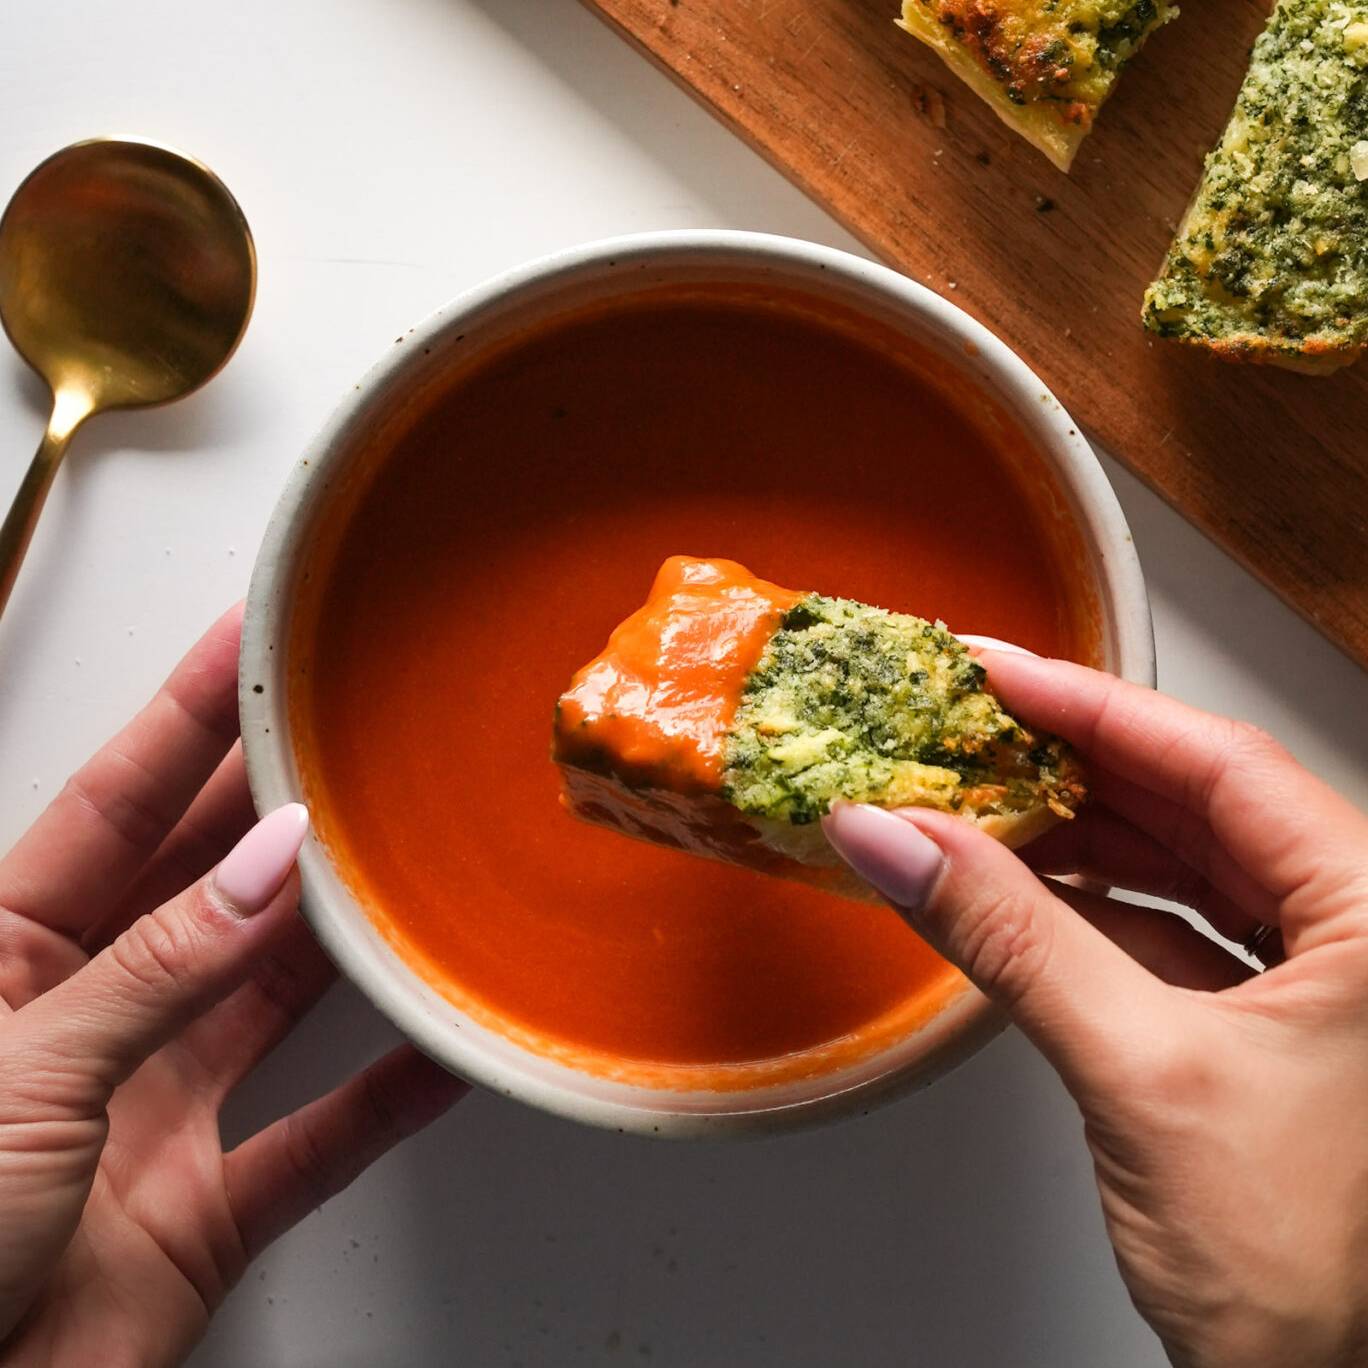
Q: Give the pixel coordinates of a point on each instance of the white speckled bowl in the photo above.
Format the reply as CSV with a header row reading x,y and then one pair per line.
x,y
535,292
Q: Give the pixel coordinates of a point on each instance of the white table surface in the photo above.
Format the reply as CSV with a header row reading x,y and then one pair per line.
x,y
389,153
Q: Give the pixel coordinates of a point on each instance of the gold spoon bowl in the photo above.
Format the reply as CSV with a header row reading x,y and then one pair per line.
x,y
127,274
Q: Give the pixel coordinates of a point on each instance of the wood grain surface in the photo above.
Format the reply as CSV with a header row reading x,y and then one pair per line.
x,y
1273,465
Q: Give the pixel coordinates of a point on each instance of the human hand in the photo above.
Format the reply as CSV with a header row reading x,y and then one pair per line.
x,y
129,1010
1226,1110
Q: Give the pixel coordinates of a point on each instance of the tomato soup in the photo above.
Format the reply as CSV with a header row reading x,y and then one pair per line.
x,y
488,554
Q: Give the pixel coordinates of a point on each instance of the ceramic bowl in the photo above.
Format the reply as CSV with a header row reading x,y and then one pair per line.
x,y
482,317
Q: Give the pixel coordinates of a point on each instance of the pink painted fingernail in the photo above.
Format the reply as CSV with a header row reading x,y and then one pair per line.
x,y
253,871
987,643
901,862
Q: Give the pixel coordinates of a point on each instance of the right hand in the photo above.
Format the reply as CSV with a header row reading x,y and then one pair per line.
x,y
1226,1110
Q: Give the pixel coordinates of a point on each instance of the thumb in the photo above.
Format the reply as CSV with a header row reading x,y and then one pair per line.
x,y
95,1028
1081,999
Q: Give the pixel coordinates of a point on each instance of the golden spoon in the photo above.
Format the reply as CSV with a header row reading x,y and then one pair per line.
x,y
127,273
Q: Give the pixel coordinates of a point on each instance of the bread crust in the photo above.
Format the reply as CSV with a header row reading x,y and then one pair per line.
x,y
1312,357
704,824
813,860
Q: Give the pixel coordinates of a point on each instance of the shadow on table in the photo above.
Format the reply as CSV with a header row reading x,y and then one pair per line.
x,y
201,422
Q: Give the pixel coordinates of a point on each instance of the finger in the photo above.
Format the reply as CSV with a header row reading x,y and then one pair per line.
x,y
1105,848
1164,943
95,836
220,816
1293,834
235,1035
32,959
279,1176
1190,839
1079,997
95,1028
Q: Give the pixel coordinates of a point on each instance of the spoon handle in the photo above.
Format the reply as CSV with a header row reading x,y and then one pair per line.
x,y
17,531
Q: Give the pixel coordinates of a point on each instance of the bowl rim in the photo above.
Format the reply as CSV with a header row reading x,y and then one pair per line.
x,y
962,1025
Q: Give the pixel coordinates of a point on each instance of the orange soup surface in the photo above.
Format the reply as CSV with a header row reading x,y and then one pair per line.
x,y
491,553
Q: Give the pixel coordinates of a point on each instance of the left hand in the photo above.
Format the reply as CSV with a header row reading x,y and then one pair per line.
x,y
130,1009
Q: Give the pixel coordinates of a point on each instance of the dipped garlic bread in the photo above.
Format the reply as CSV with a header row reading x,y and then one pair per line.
x,y
1044,66
1271,261
727,714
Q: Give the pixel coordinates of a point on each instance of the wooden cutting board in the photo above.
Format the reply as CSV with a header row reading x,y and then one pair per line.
x,y
1272,465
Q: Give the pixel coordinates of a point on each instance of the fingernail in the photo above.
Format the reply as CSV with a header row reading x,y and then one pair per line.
x,y
987,643
888,852
252,873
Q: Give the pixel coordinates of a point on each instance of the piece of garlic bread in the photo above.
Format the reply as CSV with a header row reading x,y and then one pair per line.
x,y
727,714
1271,261
1044,66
